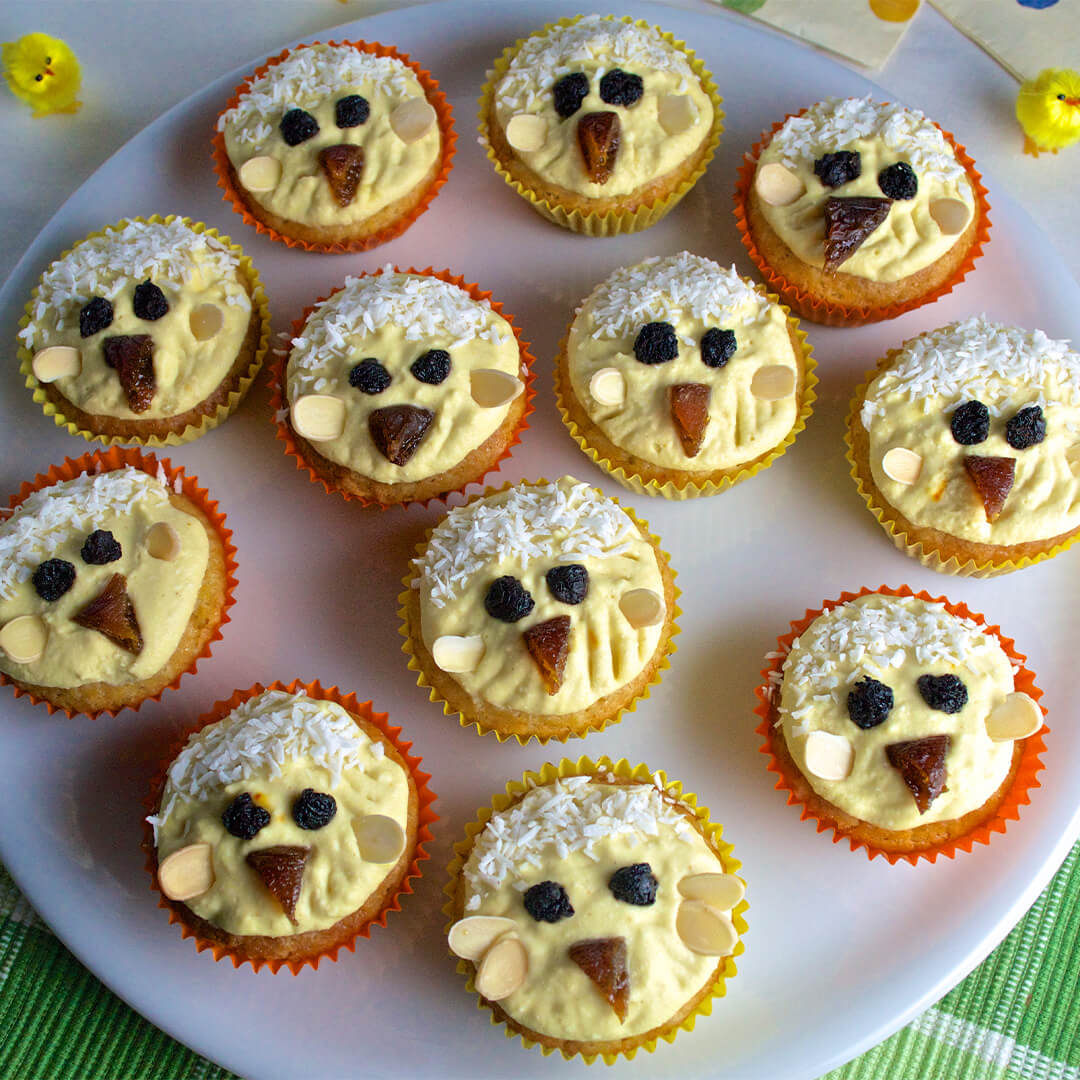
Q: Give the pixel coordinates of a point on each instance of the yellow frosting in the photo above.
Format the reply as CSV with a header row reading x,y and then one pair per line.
x,y
315,79
693,295
894,640
909,239
126,503
337,880
594,46
605,651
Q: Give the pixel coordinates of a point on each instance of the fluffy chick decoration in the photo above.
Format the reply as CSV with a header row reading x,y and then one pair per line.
x,y
1048,109
43,72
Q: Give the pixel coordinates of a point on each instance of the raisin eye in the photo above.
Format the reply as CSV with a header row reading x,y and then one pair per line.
x,y
149,302
943,693
298,126
869,703
508,600
898,181
95,316
433,367
243,818
717,347
548,902
656,343
634,884
970,423
619,87
369,376
314,809
570,91
351,111
1026,428
568,584
100,547
53,578
833,170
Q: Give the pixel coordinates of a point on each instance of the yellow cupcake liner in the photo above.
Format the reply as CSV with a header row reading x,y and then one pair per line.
x,y
260,308
616,221
929,557
409,648
690,488
623,770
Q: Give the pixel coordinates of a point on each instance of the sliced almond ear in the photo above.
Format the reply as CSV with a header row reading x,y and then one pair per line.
x,y
503,969
23,639
491,388
705,930
457,654
260,173
56,362
412,119
162,541
829,757
187,872
778,185
206,321
774,382
676,113
642,607
526,132
951,215
1017,717
472,937
608,387
380,839
902,465
720,891
319,417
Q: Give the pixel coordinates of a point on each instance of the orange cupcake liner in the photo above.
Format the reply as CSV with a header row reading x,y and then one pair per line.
x,y
1030,762
279,404
175,478
409,648
826,312
435,97
349,702
623,770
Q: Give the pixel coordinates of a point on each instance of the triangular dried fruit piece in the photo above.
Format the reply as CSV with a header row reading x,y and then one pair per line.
x,y
281,869
993,480
112,613
921,762
343,166
690,412
132,355
848,222
604,961
598,136
398,430
548,644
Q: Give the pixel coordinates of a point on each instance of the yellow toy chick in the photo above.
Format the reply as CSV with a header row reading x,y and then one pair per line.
x,y
1048,109
43,72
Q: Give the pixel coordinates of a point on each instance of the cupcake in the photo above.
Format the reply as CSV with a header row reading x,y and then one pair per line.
x,y
856,211
681,379
964,445
335,147
287,824
595,909
602,124
150,331
900,721
539,610
112,583
403,387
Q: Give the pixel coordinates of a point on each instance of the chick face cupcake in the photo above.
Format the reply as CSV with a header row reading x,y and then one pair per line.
x,y
602,124
966,446
540,610
404,386
681,379
150,331
336,145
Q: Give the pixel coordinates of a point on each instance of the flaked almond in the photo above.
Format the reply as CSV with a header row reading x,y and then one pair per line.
x,y
774,382
162,541
491,388
705,930
951,215
676,113
720,891
260,173
319,417
187,873
642,607
608,387
829,757
526,132
56,362
777,185
412,119
902,465
23,639
503,969
1017,717
206,321
472,937
456,654
379,838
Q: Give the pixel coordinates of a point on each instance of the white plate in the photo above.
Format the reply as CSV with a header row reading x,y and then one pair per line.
x,y
841,951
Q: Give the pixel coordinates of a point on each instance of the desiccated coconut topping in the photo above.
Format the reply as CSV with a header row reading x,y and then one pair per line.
x,y
427,308
836,123
979,359
566,521
572,814
47,518
593,39
662,288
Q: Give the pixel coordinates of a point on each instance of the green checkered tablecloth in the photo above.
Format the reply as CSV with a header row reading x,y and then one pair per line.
x,y
1016,1017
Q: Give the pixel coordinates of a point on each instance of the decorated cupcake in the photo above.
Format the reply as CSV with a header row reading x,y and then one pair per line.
x,y
150,331
287,824
857,211
681,379
113,583
539,610
596,909
602,124
903,722
403,386
964,445
336,147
